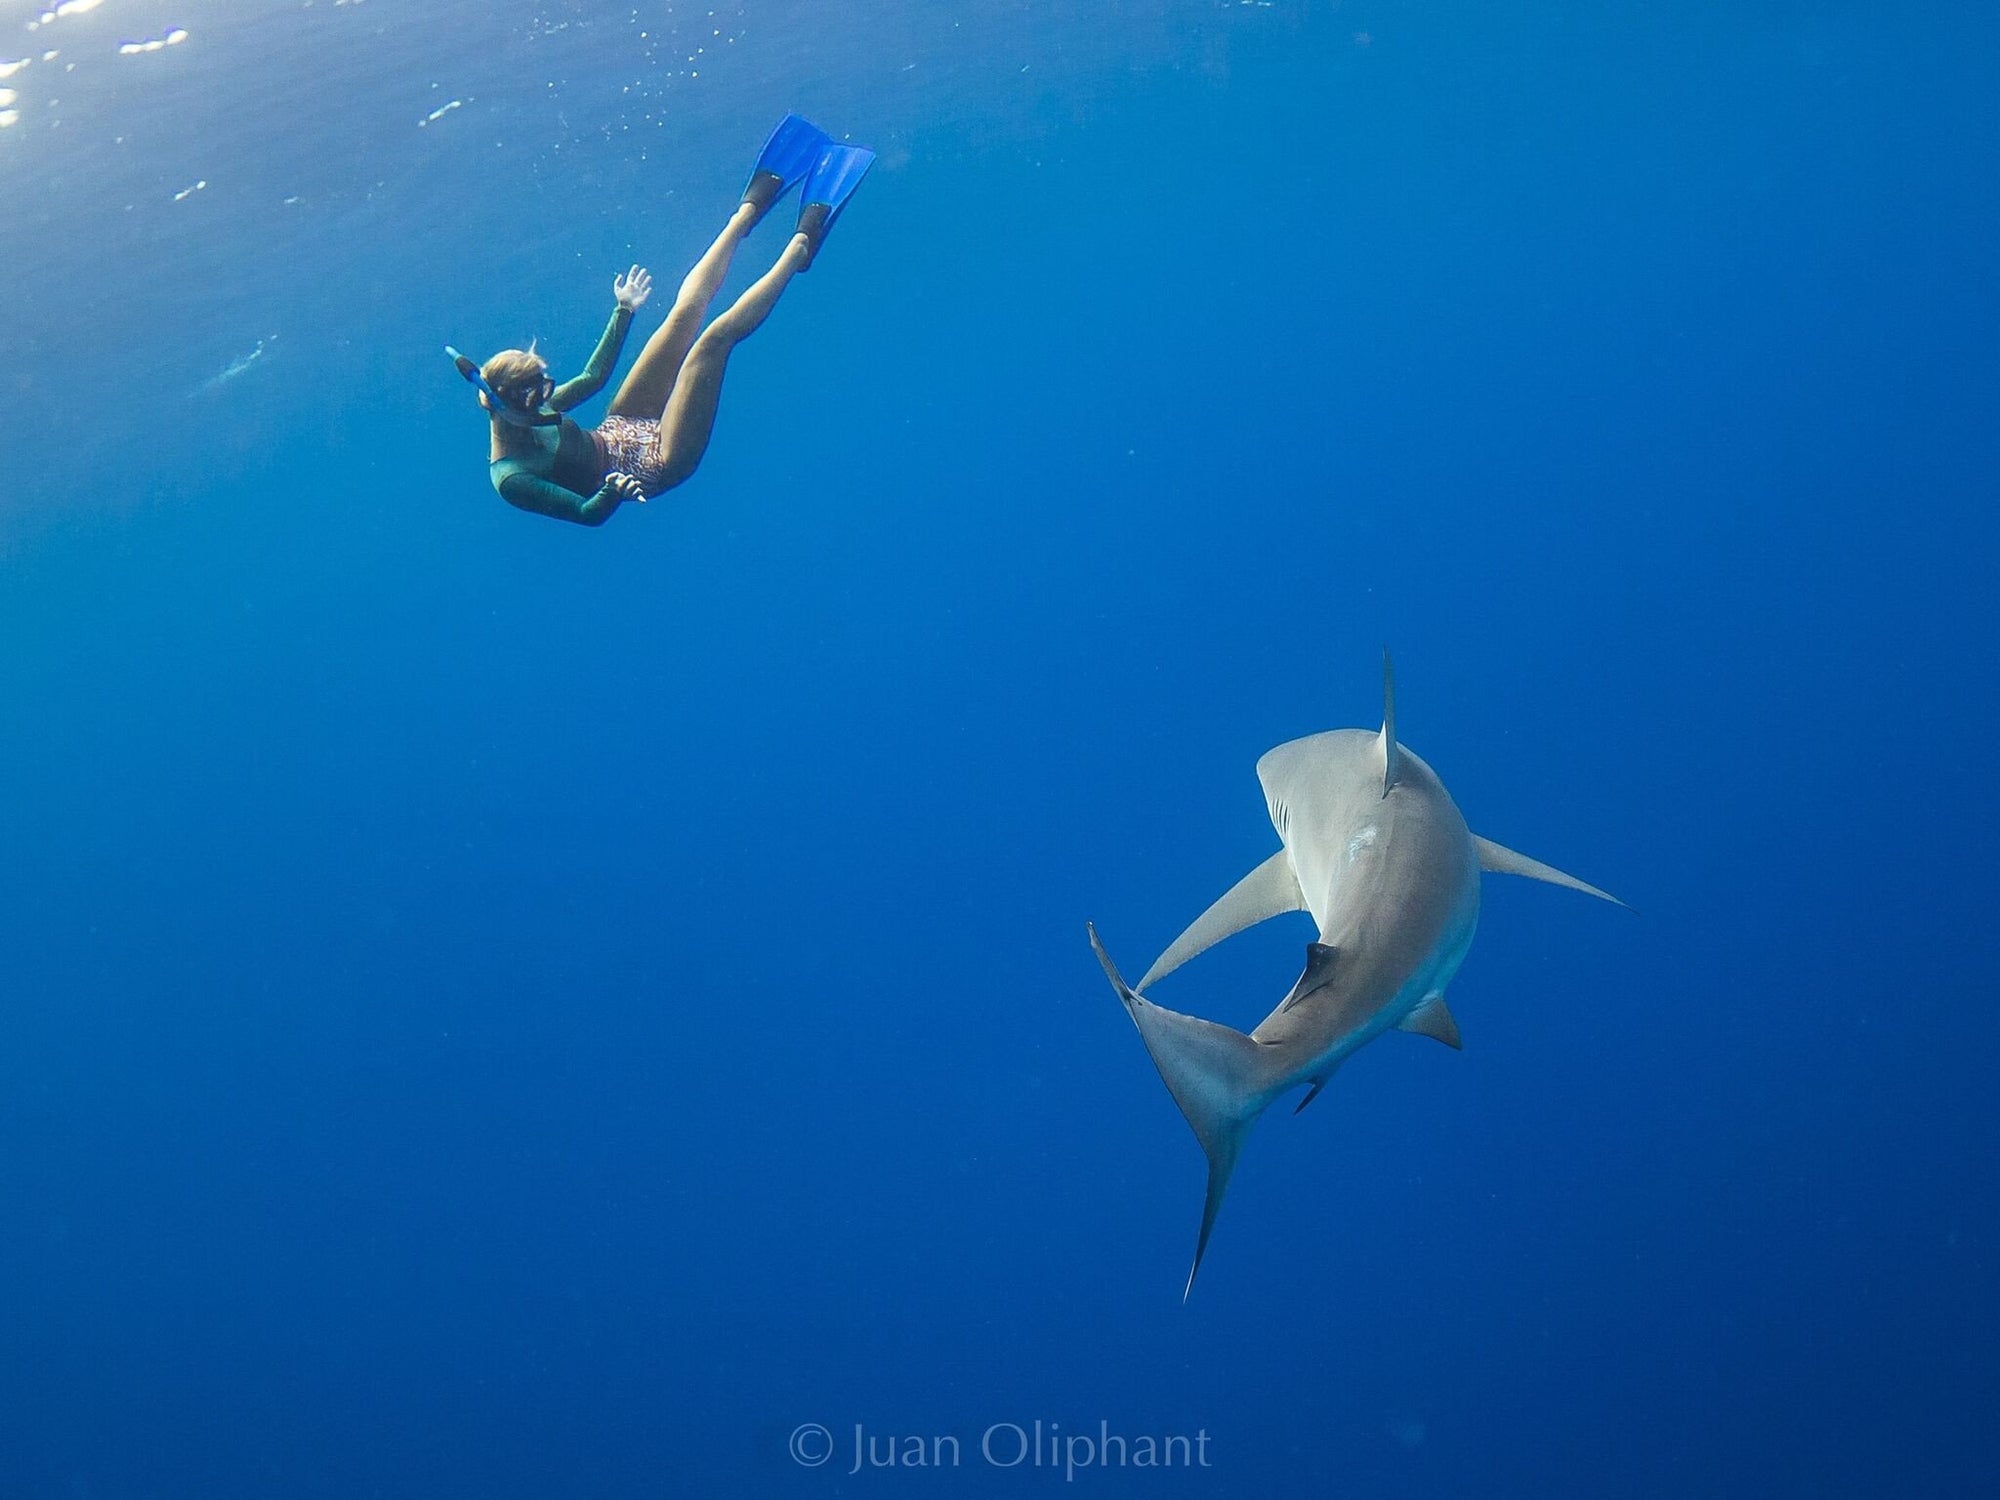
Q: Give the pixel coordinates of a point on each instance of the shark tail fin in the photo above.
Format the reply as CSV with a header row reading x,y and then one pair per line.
x,y
1392,756
1217,1076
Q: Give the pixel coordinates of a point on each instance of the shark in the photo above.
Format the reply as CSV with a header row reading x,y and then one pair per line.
x,y
1372,845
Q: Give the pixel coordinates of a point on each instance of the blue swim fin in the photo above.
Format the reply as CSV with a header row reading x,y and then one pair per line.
x,y
783,163
829,185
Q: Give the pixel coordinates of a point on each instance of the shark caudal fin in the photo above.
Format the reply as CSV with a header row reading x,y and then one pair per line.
x,y
1217,1076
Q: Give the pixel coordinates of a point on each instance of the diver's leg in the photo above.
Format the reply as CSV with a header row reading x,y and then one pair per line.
x,y
689,416
645,390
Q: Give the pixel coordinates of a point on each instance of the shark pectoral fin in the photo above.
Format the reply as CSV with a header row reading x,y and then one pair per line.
x,y
1265,892
1432,1018
1218,1077
1317,976
1392,756
1505,861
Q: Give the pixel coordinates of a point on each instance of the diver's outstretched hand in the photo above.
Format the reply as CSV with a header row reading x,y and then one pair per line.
x,y
632,289
625,487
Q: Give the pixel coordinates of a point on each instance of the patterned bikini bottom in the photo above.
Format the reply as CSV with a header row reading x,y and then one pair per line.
x,y
632,446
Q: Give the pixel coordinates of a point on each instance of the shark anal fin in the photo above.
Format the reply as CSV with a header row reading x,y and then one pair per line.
x,y
1505,861
1392,757
1317,1084
1318,974
1265,892
1432,1018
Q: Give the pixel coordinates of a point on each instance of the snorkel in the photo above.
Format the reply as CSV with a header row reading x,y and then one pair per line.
x,y
496,403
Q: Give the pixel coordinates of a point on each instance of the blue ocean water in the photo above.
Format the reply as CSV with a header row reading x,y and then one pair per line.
x,y
497,1009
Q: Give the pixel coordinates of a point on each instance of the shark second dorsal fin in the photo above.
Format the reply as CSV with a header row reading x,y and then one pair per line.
x,y
1392,757
1505,861
1318,974
1433,1019
1266,891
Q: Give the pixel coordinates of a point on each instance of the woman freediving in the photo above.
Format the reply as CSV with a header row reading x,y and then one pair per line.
x,y
658,425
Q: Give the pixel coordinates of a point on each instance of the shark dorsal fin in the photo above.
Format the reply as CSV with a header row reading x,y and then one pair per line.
x,y
1392,757
1320,958
1431,1018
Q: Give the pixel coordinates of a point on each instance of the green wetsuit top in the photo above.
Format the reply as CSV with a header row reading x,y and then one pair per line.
x,y
559,471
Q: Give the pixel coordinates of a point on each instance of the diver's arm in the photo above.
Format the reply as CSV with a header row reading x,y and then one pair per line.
x,y
632,289
526,491
573,393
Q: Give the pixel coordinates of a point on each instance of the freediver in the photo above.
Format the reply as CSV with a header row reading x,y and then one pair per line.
x,y
658,425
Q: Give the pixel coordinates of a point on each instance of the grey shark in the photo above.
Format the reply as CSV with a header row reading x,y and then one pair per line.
x,y
1372,845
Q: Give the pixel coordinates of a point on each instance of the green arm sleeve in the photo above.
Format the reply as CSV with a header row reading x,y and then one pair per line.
x,y
605,358
525,491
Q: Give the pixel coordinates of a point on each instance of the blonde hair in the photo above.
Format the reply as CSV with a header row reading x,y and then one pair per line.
x,y
511,369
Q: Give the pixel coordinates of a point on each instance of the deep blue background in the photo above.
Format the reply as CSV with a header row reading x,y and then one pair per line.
x,y
493,1009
